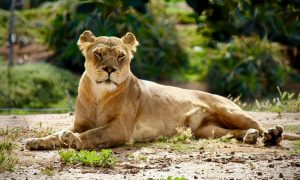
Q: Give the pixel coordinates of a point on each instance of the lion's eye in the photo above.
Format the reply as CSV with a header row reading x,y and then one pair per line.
x,y
98,54
121,55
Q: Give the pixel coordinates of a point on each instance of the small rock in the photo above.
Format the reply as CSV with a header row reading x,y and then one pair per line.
x,y
207,160
134,171
259,173
278,158
177,167
232,152
195,177
280,175
297,164
271,165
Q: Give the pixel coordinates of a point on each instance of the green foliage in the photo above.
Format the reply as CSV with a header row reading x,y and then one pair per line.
x,y
10,134
296,148
286,102
162,139
49,171
247,66
184,135
35,85
29,24
7,159
88,158
180,13
159,55
195,44
6,146
176,178
278,19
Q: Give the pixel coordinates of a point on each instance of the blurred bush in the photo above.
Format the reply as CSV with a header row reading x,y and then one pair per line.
x,y
278,20
247,66
35,85
29,24
159,55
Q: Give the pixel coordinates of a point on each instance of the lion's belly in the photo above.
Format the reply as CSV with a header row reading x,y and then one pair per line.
x,y
162,121
152,128
163,109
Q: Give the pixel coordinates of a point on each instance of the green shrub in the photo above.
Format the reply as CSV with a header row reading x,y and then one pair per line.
x,y
159,55
286,102
7,158
249,67
29,25
35,85
89,158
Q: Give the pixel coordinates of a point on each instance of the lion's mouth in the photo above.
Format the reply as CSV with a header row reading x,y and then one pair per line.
x,y
106,81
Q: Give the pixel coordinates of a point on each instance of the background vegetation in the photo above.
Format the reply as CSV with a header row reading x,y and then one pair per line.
x,y
36,85
238,48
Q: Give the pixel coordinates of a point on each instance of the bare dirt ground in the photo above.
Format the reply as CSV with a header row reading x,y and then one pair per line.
x,y
198,159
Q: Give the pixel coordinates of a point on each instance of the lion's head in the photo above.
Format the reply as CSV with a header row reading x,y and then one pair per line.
x,y
107,59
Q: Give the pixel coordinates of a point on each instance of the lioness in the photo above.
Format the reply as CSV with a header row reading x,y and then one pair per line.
x,y
114,107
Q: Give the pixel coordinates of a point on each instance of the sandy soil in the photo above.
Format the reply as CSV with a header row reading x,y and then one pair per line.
x,y
198,159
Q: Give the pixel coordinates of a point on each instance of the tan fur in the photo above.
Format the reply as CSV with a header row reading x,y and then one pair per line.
x,y
127,110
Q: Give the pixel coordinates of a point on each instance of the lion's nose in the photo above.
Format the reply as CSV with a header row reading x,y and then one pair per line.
x,y
109,69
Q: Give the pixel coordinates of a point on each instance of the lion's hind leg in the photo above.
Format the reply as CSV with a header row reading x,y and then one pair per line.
x,y
238,119
205,125
212,130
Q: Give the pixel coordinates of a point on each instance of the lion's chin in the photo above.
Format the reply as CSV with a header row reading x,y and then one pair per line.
x,y
107,85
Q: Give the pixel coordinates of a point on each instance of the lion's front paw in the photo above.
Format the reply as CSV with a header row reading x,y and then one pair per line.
x,y
71,139
38,144
273,136
251,136
32,144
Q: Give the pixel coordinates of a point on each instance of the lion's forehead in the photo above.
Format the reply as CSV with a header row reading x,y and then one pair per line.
x,y
108,45
109,41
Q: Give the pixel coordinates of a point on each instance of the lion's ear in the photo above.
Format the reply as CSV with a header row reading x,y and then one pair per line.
x,y
85,39
130,40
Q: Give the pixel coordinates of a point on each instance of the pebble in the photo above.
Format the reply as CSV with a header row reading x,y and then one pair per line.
x,y
297,164
259,173
271,165
279,158
207,160
280,175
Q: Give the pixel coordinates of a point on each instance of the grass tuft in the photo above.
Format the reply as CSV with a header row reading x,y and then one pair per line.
x,y
49,171
7,160
296,148
285,102
88,158
175,178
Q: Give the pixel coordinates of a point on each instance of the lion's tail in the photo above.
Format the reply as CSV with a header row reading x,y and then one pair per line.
x,y
290,136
